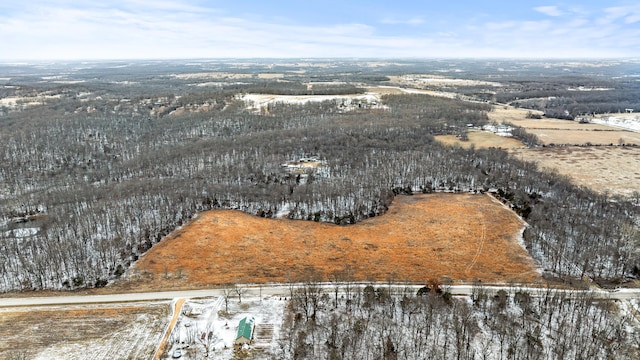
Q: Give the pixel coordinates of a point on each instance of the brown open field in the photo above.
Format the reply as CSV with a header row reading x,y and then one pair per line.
x,y
604,169
580,137
481,140
611,169
556,131
557,124
501,114
116,331
421,237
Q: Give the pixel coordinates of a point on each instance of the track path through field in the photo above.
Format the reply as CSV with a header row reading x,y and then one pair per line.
x,y
176,314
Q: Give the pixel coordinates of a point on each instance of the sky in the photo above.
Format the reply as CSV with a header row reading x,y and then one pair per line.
x,y
189,29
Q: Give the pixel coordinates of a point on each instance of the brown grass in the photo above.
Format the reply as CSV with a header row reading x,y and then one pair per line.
x,y
604,169
583,137
609,169
556,131
462,237
502,114
481,140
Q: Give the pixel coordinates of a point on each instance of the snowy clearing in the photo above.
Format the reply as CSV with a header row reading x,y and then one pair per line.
x,y
208,327
438,80
623,121
23,101
258,102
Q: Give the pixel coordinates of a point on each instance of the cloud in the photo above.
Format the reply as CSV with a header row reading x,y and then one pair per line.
x,y
412,21
549,10
626,14
66,29
633,16
494,26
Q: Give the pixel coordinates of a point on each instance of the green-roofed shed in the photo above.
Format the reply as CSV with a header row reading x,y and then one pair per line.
x,y
245,331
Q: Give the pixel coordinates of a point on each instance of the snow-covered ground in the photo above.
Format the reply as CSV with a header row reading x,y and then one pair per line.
x,y
133,341
205,323
258,102
21,232
624,121
16,101
76,332
500,130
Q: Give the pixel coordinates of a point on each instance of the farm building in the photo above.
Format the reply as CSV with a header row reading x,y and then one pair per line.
x,y
245,331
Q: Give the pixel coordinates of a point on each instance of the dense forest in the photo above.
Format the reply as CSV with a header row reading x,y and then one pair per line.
x,y
386,323
88,183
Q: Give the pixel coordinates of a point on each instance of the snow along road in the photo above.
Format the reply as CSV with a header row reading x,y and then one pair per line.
x,y
284,290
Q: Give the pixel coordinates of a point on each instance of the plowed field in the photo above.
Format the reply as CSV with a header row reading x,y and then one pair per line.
x,y
421,237
99,331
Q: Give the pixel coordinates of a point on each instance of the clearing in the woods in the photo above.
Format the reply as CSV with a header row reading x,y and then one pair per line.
x,y
421,237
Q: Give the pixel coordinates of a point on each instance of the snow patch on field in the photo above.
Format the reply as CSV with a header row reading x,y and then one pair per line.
x,y
500,130
439,80
627,122
283,212
258,102
23,101
135,340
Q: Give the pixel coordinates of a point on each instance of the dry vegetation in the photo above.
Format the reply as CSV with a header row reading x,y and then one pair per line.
x,y
548,130
555,131
585,136
611,169
604,169
481,140
463,237
502,114
122,331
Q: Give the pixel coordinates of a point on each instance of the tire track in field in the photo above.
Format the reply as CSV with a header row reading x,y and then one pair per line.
x,y
174,319
480,247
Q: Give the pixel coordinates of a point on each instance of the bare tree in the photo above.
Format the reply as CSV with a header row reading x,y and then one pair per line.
x,y
208,338
227,291
239,290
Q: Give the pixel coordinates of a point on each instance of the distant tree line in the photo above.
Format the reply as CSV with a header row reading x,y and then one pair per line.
x,y
568,97
559,96
297,88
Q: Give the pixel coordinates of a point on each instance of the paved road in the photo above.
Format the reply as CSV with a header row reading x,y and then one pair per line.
x,y
133,297
284,290
620,294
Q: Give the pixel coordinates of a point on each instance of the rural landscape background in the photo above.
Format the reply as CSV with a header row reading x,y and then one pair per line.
x,y
359,181
319,180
